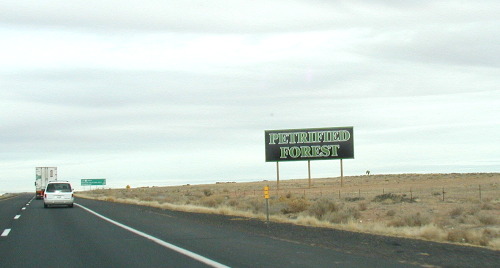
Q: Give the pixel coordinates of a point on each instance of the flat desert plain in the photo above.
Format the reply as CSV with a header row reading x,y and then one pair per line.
x,y
453,208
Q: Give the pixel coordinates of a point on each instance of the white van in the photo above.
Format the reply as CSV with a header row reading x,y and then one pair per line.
x,y
58,193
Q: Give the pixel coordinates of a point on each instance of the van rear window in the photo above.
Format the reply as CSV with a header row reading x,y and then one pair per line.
x,y
58,187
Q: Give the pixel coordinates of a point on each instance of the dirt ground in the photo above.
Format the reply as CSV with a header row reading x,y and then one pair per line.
x,y
431,193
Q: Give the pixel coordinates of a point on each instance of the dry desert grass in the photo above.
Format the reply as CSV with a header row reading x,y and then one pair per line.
x,y
6,196
456,208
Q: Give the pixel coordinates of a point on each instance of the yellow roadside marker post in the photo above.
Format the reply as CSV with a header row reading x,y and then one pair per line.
x,y
266,196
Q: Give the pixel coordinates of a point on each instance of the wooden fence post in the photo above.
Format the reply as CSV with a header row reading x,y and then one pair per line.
x,y
480,199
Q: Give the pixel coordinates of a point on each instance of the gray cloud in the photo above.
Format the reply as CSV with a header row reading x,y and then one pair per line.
x,y
473,44
183,90
238,16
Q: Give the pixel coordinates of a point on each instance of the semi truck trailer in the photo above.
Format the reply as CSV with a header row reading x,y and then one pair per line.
x,y
43,176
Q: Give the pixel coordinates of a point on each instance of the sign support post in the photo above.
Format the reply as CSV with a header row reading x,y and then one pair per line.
x,y
267,211
341,174
309,172
278,175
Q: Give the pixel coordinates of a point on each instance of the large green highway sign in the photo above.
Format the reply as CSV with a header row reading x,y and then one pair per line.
x,y
87,182
309,144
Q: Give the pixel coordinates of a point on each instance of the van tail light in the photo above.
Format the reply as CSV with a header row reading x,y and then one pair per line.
x,y
45,196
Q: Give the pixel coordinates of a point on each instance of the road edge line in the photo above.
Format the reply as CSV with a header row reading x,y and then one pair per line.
x,y
182,251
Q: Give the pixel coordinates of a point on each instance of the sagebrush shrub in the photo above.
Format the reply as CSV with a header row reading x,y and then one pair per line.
x,y
212,201
353,199
343,215
296,206
233,202
488,219
411,220
256,205
458,211
395,198
207,192
321,207
467,236
362,206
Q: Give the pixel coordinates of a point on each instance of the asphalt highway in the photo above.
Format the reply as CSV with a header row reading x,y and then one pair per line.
x,y
104,234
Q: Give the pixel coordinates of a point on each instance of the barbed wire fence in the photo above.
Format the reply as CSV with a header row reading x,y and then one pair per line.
x,y
467,193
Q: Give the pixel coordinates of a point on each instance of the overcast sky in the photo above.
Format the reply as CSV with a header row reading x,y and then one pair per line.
x,y
157,92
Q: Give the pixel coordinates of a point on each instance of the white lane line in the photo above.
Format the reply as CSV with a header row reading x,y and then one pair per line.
x,y
17,217
159,241
6,232
24,208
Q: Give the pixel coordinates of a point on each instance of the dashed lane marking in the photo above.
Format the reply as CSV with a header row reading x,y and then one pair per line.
x,y
5,232
17,217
